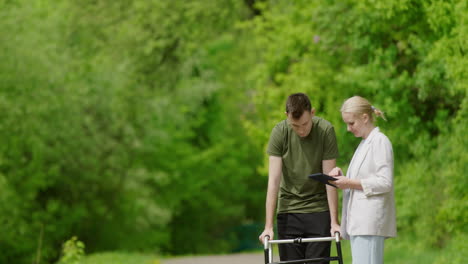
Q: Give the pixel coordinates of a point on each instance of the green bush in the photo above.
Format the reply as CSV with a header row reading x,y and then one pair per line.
x,y
72,251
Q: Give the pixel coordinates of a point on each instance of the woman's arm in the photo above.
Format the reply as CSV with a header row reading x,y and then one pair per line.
x,y
382,159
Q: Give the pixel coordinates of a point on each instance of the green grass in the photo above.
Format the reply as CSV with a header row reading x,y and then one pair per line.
x,y
400,250
407,251
120,258
397,251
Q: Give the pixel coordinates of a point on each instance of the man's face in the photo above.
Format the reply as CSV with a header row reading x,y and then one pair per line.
x,y
303,125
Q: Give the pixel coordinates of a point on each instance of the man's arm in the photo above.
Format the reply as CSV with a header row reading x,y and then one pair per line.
x,y
332,196
274,179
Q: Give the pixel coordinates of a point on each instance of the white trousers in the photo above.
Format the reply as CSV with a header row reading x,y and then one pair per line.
x,y
367,249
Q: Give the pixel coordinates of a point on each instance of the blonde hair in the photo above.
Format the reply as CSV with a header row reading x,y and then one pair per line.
x,y
360,105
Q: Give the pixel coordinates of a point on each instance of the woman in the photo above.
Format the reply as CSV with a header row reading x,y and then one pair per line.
x,y
368,215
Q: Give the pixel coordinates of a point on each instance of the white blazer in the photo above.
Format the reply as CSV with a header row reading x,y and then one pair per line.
x,y
372,210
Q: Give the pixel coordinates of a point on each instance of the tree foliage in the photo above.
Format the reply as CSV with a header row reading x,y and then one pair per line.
x,y
142,125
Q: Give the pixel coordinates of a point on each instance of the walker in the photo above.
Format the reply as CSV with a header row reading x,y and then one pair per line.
x,y
267,243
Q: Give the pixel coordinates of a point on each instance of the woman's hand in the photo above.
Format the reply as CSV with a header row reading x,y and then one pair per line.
x,y
342,182
335,172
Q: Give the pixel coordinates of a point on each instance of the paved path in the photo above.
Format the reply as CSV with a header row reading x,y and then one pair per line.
x,y
246,258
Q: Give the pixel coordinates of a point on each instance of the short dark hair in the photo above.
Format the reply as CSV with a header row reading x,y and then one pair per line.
x,y
296,105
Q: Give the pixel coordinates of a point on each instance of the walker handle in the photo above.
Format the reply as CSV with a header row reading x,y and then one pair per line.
x,y
267,250
265,241
337,236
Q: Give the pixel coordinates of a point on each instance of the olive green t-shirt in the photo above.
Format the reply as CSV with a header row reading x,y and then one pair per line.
x,y
302,157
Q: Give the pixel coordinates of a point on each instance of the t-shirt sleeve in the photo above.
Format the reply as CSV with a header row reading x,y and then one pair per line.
x,y
275,144
330,150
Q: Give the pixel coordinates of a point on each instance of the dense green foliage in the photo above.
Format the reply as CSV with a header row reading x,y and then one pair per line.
x,y
142,125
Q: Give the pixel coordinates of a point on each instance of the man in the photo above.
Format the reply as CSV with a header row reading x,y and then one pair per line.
x,y
299,146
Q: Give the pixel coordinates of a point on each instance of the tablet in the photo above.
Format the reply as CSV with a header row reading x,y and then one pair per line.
x,y
323,178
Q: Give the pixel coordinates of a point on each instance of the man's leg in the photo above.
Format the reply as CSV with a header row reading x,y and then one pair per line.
x,y
318,225
290,227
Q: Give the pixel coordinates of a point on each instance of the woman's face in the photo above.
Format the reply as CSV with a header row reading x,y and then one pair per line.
x,y
355,123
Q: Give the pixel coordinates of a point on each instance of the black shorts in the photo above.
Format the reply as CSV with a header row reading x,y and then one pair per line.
x,y
304,225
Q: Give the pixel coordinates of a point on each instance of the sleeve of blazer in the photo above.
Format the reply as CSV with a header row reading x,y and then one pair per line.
x,y
381,180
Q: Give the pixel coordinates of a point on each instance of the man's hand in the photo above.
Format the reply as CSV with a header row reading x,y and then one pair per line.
x,y
267,232
335,228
